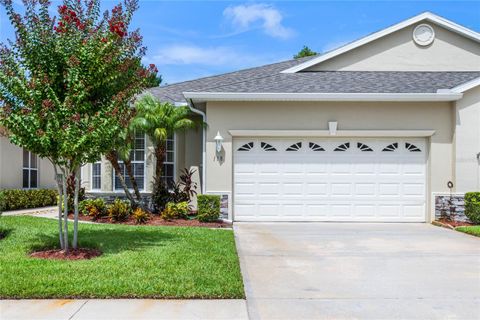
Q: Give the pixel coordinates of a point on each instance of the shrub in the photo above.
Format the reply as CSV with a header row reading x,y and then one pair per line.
x,y
208,207
2,202
15,199
182,191
94,208
140,216
175,210
119,210
472,206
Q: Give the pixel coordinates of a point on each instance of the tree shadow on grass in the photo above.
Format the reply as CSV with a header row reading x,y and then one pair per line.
x,y
4,232
110,240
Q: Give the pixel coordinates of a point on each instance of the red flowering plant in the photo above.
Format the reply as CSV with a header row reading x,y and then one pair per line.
x,y
67,83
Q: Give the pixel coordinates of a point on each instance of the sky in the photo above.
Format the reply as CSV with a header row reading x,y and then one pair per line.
x,y
193,39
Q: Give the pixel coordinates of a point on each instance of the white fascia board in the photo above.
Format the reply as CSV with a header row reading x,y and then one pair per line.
x,y
267,96
326,133
447,24
466,86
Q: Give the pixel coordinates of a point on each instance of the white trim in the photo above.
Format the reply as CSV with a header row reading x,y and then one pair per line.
x,y
325,133
282,96
466,86
203,178
447,24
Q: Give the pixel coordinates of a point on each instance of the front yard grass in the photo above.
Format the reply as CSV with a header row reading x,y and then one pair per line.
x,y
137,262
473,230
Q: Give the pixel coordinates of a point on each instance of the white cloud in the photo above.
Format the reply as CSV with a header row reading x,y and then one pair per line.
x,y
249,16
181,54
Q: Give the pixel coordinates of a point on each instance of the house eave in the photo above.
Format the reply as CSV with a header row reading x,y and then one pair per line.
x,y
267,96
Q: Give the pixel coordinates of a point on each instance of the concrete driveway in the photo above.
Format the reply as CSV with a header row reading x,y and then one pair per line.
x,y
358,271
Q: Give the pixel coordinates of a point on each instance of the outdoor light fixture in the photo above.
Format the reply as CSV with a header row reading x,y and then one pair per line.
x,y
218,141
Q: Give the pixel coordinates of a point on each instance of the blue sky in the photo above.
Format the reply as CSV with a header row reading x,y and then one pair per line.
x,y
191,39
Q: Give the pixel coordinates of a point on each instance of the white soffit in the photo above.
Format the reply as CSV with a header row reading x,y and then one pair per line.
x,y
325,133
447,24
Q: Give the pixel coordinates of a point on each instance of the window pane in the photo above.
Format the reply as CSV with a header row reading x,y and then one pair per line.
x,y
139,155
140,143
96,181
26,156
97,169
33,160
25,183
138,169
170,157
169,144
33,178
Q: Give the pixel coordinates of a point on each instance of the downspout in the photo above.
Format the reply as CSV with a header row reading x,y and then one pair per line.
x,y
204,142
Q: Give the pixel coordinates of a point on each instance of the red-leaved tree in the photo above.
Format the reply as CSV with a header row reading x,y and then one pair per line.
x,y
67,83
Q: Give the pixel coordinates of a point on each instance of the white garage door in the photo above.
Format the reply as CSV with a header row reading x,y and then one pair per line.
x,y
308,179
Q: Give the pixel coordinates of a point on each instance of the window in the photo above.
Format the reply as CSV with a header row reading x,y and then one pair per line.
x,y
295,147
30,170
97,175
267,147
315,147
343,147
412,148
246,147
168,172
391,147
137,158
363,147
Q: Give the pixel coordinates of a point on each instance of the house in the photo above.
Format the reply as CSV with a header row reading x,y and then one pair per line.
x,y
373,131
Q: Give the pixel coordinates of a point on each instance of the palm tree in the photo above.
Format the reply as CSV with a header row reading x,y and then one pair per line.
x,y
159,121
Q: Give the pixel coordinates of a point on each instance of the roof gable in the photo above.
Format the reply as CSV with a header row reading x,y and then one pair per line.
x,y
427,17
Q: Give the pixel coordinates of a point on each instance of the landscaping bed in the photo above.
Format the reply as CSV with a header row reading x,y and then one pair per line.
x,y
156,220
136,262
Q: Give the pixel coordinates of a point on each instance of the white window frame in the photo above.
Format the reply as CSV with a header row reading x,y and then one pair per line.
x,y
29,168
120,162
174,160
92,176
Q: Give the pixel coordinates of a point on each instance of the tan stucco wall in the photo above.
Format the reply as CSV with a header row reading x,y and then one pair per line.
x,y
11,163
467,141
398,52
225,116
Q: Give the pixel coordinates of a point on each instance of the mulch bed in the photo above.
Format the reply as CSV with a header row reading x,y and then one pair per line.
x,y
155,220
58,254
455,223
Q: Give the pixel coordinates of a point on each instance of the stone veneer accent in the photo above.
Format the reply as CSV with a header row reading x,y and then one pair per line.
x,y
450,205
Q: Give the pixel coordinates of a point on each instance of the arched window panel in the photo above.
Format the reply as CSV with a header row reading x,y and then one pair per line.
x,y
267,147
391,147
295,147
363,147
315,147
412,148
343,147
246,147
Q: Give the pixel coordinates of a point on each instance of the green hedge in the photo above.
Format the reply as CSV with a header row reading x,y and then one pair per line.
x,y
16,199
208,207
472,206
2,202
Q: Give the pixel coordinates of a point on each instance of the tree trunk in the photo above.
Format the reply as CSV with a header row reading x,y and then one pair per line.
x,y
160,151
75,214
65,210
113,158
128,166
60,199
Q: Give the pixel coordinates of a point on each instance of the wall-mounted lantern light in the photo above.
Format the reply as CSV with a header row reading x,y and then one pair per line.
x,y
218,141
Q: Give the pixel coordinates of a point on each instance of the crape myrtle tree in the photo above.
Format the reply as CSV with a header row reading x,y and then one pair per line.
x,y
67,83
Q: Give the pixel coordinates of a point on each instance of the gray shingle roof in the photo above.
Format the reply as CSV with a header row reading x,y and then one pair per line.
x,y
269,79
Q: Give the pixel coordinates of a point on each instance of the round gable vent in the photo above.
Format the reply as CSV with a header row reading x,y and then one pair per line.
x,y
423,35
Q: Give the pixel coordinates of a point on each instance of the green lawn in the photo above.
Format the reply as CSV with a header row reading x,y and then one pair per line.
x,y
473,230
137,261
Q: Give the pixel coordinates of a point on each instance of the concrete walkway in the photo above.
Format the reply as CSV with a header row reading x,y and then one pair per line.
x,y
122,309
45,212
358,271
